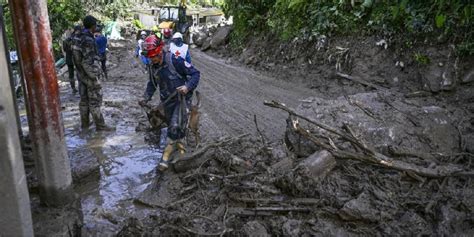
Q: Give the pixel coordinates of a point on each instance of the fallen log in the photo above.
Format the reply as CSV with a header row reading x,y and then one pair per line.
x,y
197,158
369,155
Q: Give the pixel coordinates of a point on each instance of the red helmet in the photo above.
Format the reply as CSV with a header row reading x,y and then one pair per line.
x,y
167,33
153,46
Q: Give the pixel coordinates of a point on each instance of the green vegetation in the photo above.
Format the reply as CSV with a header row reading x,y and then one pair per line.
x,y
421,59
450,19
62,16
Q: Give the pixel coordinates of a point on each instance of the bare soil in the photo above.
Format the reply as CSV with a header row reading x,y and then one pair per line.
x,y
256,184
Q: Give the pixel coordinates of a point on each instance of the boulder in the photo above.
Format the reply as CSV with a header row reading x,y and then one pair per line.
x,y
220,37
199,38
206,45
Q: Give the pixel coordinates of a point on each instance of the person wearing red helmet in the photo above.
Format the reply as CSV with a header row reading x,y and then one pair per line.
x,y
176,80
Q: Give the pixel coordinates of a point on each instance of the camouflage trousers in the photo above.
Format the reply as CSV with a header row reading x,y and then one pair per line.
x,y
90,91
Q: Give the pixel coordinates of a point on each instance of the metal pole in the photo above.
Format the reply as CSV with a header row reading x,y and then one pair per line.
x,y
33,37
15,217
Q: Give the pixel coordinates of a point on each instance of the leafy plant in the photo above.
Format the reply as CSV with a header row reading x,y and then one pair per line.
x,y
421,59
138,24
305,18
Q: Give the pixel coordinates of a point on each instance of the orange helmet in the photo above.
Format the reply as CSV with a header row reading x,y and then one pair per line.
x,y
153,46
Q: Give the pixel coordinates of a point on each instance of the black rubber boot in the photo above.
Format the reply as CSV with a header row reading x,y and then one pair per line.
x,y
84,113
73,86
99,121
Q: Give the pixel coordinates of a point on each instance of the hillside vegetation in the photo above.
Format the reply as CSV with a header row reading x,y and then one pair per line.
x,y
442,20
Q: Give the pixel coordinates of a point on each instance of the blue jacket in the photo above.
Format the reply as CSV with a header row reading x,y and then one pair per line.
x,y
168,79
101,42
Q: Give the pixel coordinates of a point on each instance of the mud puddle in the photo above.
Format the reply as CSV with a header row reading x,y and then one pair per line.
x,y
109,168
126,165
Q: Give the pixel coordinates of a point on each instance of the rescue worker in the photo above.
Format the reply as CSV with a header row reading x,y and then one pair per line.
x,y
170,75
101,42
139,49
67,48
179,48
90,73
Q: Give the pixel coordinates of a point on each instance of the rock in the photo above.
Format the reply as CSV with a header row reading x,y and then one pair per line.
x,y
431,78
221,37
469,77
199,38
318,165
448,79
360,208
254,229
206,45
84,164
292,228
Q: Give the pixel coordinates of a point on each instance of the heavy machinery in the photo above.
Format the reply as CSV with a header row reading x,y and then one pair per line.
x,y
174,18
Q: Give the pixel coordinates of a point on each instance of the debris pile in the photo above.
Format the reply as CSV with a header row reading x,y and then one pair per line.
x,y
385,173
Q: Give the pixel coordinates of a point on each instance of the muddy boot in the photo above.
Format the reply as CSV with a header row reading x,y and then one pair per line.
x,y
73,87
99,121
166,156
181,148
84,113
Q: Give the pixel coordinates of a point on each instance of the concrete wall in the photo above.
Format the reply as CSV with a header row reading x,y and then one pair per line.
x,y
15,213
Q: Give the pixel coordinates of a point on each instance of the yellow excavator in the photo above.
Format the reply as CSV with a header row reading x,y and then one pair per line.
x,y
174,18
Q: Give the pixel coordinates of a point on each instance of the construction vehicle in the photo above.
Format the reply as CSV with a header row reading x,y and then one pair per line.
x,y
174,18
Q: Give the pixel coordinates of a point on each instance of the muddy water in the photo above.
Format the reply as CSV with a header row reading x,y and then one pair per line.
x,y
127,159
126,168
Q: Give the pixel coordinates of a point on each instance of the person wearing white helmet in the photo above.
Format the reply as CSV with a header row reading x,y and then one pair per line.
x,y
179,48
139,49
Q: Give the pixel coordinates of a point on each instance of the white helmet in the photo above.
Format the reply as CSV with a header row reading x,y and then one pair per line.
x,y
177,35
143,33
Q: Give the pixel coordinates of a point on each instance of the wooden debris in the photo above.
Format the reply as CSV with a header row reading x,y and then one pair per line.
x,y
370,155
195,159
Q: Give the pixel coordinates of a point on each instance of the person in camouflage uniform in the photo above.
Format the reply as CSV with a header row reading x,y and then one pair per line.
x,y
67,48
90,73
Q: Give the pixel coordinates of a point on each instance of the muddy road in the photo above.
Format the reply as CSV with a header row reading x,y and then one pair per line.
x,y
233,95
247,186
111,168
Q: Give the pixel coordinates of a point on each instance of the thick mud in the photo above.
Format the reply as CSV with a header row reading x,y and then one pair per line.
x,y
262,183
